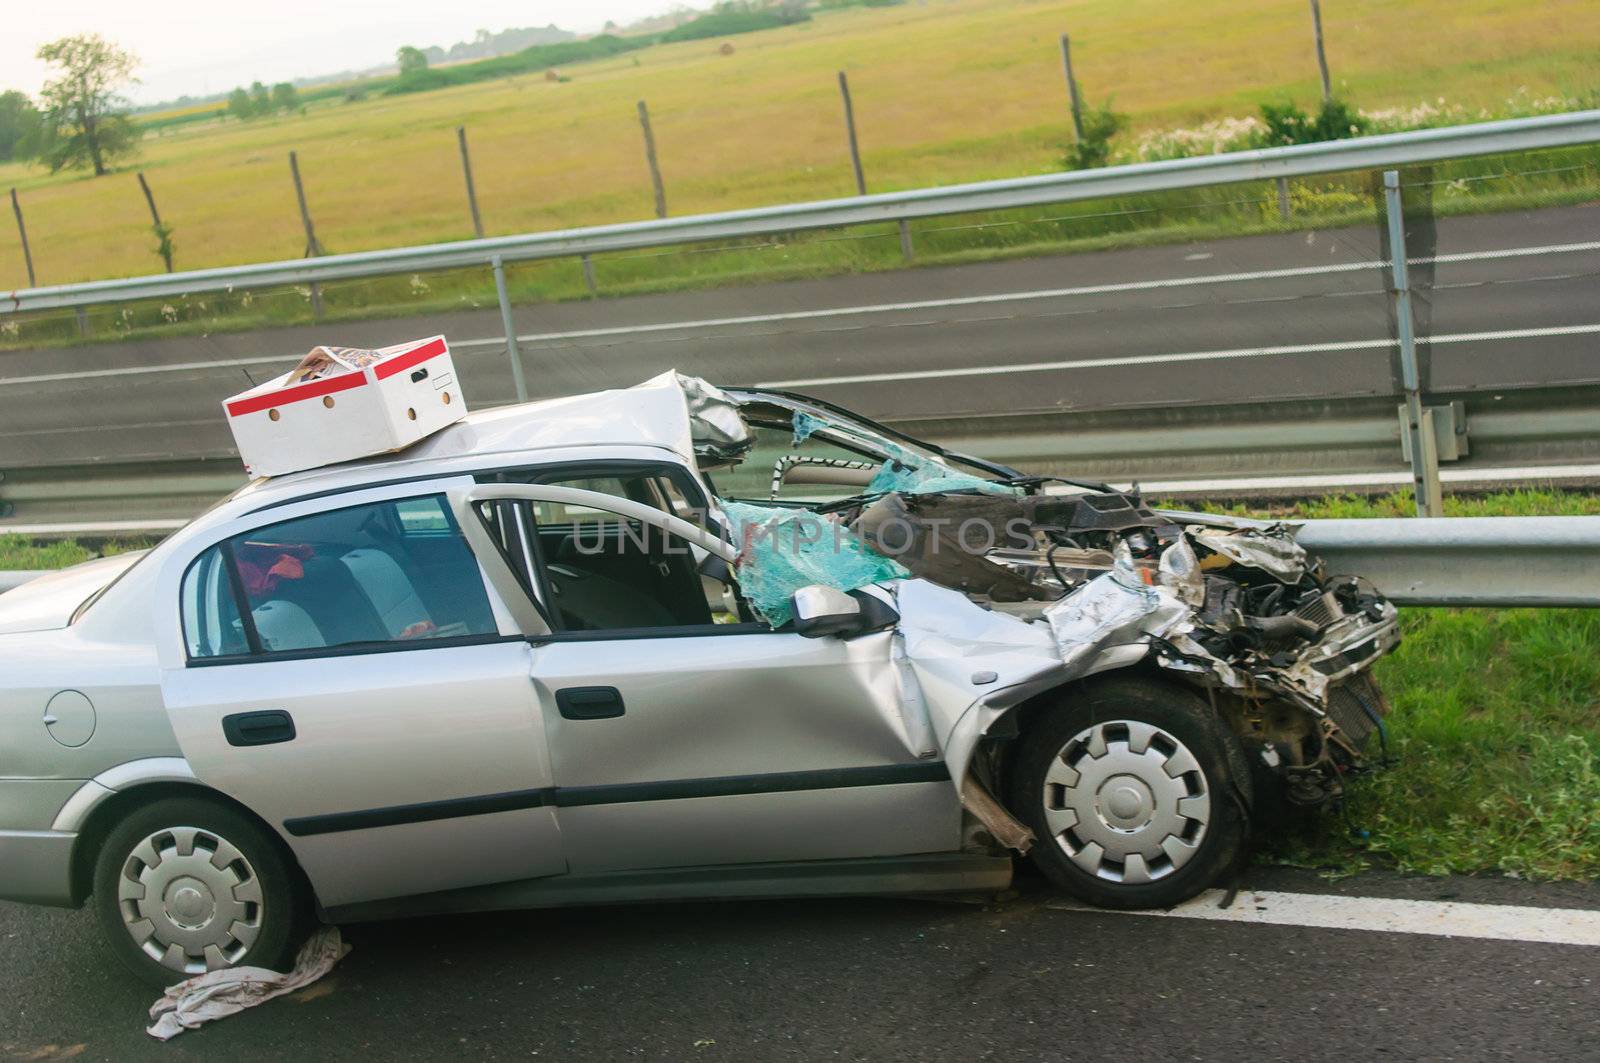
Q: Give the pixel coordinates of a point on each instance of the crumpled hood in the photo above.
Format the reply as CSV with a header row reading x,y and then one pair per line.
x,y
48,602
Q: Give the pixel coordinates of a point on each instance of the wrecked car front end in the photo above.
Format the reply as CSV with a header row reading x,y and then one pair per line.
x,y
1235,609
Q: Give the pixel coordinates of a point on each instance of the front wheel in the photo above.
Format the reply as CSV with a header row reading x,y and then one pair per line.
x,y
185,886
1134,790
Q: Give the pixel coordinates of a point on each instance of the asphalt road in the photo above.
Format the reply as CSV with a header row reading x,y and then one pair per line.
x,y
1063,333
887,979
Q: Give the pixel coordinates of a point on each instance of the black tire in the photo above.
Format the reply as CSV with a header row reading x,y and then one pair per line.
x,y
280,915
1182,715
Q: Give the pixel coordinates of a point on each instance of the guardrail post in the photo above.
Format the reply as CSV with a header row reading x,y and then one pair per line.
x,y
1418,421
1283,198
906,250
517,381
589,281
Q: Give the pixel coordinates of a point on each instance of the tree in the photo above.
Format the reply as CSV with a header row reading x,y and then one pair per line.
x,y
19,126
239,105
84,120
285,98
260,99
412,61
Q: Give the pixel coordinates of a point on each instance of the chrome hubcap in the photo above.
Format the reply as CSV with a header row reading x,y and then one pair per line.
x,y
1127,801
190,900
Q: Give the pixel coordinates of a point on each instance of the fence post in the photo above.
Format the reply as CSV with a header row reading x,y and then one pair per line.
x,y
850,132
517,381
313,249
164,248
466,168
22,231
1418,421
650,157
1072,87
1322,56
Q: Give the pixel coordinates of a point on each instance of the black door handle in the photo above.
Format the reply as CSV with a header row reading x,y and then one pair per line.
x,y
589,703
258,728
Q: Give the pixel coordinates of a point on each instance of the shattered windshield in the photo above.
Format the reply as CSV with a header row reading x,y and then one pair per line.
x,y
805,453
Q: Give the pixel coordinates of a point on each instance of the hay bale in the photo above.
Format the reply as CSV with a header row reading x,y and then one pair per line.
x,y
727,48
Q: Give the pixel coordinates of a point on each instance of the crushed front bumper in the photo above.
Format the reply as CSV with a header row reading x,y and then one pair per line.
x,y
36,867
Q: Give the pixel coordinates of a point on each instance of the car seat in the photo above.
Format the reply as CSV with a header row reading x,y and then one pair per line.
x,y
387,588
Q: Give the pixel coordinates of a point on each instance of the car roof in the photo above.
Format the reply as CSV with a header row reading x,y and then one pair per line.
x,y
652,415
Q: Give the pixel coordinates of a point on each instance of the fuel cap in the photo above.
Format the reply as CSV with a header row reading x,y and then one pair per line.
x,y
70,718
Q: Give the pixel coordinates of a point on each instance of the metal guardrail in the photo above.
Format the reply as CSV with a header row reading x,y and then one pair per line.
x,y
1468,561
1361,153
1269,449
1455,561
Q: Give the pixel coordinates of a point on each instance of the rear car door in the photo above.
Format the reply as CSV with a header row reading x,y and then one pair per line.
x,y
343,669
685,735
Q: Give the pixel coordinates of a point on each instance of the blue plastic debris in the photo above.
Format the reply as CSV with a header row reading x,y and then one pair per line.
x,y
805,425
909,474
782,550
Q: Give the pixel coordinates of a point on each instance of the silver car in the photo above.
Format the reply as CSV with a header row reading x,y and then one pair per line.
x,y
662,642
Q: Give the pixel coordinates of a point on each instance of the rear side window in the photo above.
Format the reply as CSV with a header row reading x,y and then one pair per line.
x,y
211,623
383,574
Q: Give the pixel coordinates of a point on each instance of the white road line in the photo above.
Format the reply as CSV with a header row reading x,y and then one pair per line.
x,y
845,311
1453,919
1042,293
1186,356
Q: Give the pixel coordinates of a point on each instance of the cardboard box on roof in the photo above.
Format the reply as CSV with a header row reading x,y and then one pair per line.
x,y
342,403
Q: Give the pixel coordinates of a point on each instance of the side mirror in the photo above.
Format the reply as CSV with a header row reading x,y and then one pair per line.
x,y
820,611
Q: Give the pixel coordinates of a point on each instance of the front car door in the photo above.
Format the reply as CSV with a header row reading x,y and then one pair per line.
x,y
677,740
343,668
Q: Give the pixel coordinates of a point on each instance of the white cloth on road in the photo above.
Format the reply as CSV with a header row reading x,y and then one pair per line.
x,y
218,994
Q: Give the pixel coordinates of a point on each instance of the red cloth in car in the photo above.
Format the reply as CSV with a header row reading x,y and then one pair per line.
x,y
262,566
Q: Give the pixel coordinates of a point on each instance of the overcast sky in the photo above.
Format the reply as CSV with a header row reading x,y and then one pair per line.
x,y
197,47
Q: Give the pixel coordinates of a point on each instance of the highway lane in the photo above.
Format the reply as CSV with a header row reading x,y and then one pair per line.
x,y
1512,298
884,979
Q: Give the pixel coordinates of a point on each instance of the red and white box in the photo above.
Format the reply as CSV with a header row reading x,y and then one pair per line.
x,y
342,403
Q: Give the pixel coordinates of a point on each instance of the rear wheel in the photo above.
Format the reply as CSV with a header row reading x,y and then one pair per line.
x,y
185,886
1134,790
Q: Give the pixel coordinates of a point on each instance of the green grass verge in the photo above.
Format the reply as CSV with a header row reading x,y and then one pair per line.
x,y
19,552
1494,741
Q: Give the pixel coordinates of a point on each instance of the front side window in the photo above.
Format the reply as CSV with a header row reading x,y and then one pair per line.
x,y
600,571
384,573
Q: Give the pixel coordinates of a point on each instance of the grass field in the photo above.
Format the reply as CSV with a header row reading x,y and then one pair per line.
x,y
945,90
1494,740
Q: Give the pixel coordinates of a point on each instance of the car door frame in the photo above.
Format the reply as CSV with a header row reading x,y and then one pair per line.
x,y
906,800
